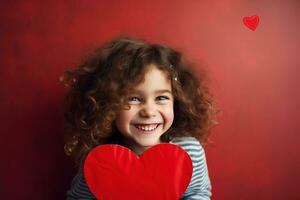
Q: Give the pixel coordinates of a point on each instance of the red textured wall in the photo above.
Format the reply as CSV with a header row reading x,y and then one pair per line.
x,y
255,79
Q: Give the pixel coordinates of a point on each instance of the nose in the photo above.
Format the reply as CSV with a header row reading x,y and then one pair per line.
x,y
148,110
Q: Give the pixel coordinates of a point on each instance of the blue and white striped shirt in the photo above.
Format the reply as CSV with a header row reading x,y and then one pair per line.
x,y
199,188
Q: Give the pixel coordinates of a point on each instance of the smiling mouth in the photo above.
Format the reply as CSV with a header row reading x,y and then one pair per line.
x,y
146,128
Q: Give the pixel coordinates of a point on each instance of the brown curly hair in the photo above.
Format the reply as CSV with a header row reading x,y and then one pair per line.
x,y
100,85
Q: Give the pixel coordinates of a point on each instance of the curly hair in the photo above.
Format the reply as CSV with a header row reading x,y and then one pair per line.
x,y
100,85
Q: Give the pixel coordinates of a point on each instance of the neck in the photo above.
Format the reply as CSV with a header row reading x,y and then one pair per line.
x,y
137,149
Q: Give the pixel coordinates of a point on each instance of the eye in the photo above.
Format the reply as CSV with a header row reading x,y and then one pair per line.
x,y
163,97
133,98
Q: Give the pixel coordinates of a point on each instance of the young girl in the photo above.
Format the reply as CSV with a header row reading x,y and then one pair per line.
x,y
136,94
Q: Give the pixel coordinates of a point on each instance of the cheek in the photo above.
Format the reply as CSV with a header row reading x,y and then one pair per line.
x,y
169,115
124,117
122,122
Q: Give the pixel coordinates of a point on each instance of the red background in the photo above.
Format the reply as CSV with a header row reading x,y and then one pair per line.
x,y
254,75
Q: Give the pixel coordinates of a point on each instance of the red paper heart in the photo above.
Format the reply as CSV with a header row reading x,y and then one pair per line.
x,y
251,22
114,172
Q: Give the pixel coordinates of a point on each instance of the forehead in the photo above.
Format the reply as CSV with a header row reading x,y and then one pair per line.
x,y
154,79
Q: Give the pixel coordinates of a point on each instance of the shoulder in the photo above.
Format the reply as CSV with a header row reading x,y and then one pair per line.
x,y
79,188
193,148
189,139
190,144
200,186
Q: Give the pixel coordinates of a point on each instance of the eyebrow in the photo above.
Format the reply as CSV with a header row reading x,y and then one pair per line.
x,y
156,91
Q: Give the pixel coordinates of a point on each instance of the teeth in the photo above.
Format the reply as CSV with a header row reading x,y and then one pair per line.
x,y
148,127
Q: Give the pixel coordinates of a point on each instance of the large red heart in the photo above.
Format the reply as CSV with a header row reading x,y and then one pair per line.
x,y
251,22
114,172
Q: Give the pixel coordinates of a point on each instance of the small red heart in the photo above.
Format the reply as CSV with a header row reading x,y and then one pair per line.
x,y
114,172
251,22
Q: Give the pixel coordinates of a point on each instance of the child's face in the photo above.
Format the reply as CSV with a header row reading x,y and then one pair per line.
x,y
151,109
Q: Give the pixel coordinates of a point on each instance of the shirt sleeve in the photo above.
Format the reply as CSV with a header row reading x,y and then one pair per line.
x,y
200,186
79,189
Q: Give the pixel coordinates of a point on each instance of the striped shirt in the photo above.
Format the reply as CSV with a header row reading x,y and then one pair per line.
x,y
199,188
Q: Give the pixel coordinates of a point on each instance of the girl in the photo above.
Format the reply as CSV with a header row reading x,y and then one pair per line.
x,y
127,88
